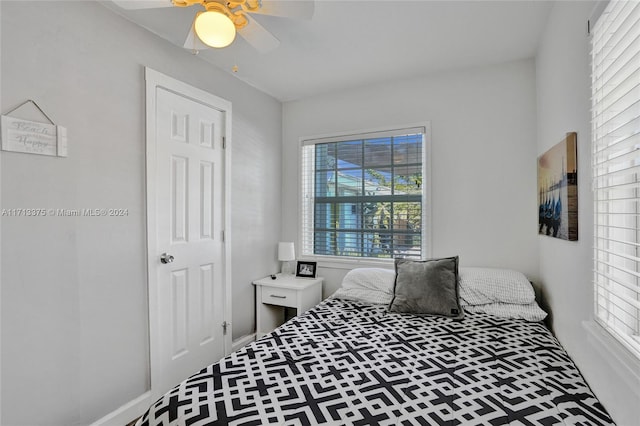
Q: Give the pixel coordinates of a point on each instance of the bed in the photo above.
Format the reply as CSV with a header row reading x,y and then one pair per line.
x,y
350,361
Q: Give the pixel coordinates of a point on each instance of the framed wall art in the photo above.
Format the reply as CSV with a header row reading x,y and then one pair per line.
x,y
558,190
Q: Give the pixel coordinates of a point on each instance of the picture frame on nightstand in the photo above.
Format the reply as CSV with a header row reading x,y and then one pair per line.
x,y
306,269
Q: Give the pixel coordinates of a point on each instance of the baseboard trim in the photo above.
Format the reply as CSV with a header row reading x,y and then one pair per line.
x,y
136,407
127,412
242,341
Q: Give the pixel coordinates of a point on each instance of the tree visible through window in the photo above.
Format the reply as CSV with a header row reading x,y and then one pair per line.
x,y
363,196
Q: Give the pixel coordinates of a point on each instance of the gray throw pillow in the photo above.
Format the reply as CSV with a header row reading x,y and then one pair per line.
x,y
428,287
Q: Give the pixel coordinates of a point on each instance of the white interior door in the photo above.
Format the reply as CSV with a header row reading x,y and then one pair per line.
x,y
186,253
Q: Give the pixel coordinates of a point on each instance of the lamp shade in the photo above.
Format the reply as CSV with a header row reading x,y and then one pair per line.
x,y
214,28
286,252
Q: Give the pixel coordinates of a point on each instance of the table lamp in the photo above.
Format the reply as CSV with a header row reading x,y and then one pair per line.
x,y
286,253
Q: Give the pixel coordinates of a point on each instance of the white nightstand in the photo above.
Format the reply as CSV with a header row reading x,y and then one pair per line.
x,y
272,296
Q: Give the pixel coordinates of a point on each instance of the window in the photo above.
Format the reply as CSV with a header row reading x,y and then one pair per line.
x,y
363,196
616,165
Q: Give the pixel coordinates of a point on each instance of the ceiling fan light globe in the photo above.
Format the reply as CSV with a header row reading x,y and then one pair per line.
x,y
215,29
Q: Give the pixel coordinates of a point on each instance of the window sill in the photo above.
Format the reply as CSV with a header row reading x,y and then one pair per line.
x,y
621,360
349,263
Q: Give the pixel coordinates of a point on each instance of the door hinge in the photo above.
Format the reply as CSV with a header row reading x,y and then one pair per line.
x,y
224,142
224,327
222,236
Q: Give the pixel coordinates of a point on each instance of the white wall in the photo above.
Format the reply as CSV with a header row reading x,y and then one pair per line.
x,y
563,87
483,145
74,308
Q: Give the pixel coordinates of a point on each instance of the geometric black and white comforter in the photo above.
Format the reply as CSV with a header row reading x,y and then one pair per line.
x,y
347,363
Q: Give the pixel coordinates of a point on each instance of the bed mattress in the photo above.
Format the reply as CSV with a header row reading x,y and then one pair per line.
x,y
349,363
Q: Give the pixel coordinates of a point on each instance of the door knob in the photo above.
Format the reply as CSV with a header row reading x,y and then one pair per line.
x,y
166,258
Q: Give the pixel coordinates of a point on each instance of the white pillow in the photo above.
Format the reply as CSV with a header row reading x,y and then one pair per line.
x,y
530,312
369,285
481,286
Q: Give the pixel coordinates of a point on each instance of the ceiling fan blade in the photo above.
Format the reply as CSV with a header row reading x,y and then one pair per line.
x,y
193,42
287,8
142,4
258,37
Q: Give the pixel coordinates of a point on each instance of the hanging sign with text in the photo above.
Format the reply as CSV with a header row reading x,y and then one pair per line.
x,y
32,137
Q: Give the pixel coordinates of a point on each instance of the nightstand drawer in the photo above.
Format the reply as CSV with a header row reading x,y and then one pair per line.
x,y
279,296
275,295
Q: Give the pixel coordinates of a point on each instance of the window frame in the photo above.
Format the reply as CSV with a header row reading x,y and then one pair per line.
x,y
348,262
605,257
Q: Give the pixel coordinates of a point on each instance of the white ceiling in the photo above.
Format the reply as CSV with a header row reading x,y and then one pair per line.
x,y
357,42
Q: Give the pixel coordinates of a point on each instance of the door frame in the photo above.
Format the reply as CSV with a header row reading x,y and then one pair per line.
x,y
155,80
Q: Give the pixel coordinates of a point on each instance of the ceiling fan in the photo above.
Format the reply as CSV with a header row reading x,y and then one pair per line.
x,y
217,25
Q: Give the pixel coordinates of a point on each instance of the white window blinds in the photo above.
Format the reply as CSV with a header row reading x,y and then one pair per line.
x,y
616,166
362,195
